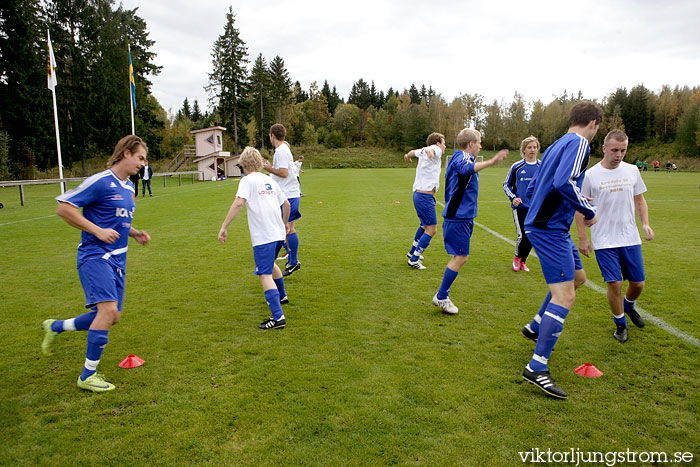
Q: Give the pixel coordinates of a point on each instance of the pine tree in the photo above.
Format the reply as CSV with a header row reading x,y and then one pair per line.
x,y
25,109
186,112
196,112
228,82
260,90
281,86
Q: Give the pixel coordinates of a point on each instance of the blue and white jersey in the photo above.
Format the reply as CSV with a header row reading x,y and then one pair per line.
x,y
555,191
519,177
109,203
461,187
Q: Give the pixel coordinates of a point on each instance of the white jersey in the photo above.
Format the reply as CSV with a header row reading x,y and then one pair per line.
x,y
428,171
613,193
263,200
283,160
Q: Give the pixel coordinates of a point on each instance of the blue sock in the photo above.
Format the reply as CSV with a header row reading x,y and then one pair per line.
x,y
293,243
621,320
422,245
446,285
280,286
627,305
79,323
96,341
550,330
416,239
273,301
535,324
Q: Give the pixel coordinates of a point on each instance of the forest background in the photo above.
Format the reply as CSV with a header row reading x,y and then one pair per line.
x,y
247,94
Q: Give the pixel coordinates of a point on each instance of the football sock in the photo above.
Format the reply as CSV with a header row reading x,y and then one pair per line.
x,y
627,305
280,286
620,320
273,301
96,341
293,242
446,285
416,239
535,324
422,245
79,323
550,330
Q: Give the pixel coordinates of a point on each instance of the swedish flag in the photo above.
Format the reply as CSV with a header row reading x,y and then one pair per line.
x,y
132,84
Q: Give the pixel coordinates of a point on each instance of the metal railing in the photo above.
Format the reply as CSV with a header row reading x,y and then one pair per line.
x,y
49,181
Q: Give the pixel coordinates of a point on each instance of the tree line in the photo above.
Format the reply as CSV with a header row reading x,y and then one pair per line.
x,y
90,40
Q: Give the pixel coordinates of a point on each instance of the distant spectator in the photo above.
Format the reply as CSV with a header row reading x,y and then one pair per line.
x,y
668,166
146,174
645,166
674,167
656,166
135,180
639,165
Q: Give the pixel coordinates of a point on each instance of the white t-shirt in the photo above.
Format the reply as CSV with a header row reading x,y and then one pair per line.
x,y
263,200
283,160
613,193
428,171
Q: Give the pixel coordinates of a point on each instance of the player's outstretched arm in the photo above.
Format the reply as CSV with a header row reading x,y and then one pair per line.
x,y
75,218
500,155
232,213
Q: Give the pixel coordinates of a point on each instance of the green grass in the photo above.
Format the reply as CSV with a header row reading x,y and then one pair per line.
x,y
367,371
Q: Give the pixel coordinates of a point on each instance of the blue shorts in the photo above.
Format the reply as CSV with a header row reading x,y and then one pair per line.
x,y
265,256
294,213
101,282
457,235
623,262
425,208
558,255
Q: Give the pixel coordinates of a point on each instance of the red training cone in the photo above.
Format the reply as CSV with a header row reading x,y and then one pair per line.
x,y
588,370
132,361
397,202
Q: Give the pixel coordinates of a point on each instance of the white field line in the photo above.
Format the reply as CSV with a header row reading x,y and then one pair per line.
x,y
645,314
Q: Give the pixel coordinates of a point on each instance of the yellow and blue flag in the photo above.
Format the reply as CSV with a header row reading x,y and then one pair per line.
x,y
132,83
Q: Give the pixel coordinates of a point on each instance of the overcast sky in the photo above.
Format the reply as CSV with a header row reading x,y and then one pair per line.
x,y
493,48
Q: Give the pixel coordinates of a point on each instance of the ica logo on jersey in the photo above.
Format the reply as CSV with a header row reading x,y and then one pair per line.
x,y
122,212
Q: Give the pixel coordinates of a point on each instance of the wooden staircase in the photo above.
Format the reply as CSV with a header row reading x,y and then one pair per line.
x,y
187,151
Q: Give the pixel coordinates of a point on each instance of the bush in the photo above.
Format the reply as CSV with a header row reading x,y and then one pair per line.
x,y
335,139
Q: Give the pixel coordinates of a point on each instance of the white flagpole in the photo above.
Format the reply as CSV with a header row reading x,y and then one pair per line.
x,y
131,95
52,86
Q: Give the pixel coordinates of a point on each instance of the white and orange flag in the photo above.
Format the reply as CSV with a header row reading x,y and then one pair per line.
x,y
51,64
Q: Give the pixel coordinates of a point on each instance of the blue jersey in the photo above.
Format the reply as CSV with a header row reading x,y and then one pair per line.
x,y
519,176
461,188
555,191
109,203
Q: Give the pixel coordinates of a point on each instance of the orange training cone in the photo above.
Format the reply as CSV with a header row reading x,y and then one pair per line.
x,y
132,361
588,370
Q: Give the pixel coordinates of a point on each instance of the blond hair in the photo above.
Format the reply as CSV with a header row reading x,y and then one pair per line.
x,y
466,136
129,143
251,160
617,135
526,141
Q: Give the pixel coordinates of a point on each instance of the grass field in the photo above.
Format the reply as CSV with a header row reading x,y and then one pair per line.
x,y
367,371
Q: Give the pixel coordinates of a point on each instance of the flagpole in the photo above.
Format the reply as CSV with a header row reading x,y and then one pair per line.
x,y
58,143
131,96
52,88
